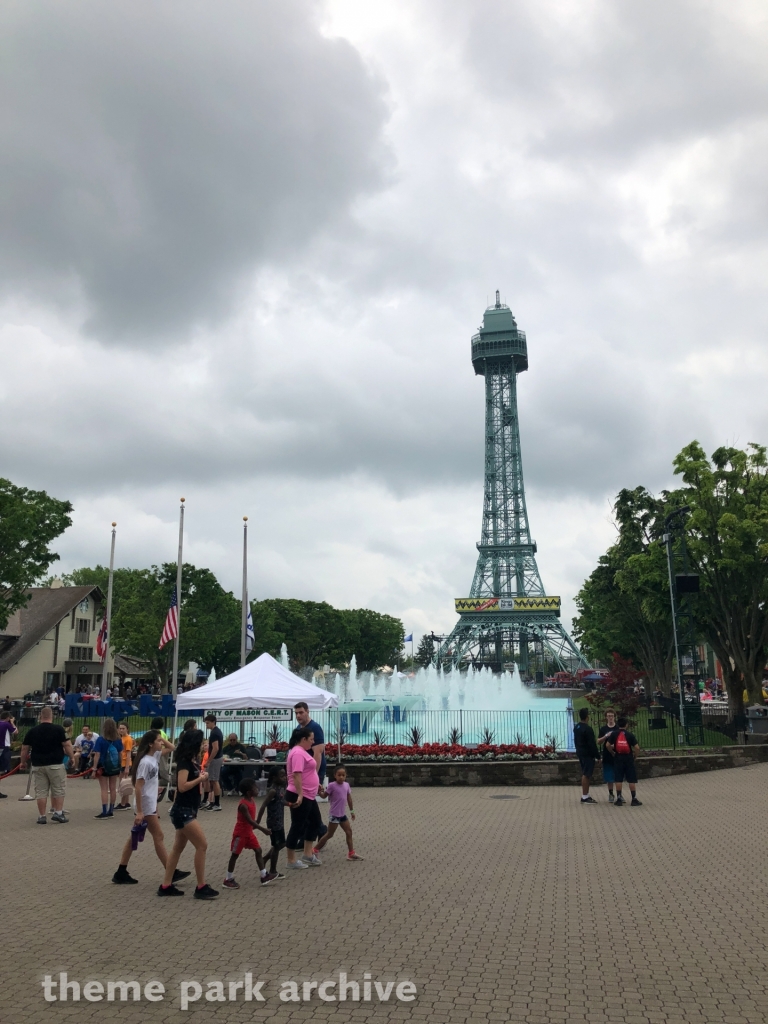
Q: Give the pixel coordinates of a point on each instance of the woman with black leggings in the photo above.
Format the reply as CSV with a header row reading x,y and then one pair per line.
x,y
301,797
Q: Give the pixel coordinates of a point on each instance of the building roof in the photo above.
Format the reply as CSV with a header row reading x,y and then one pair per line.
x,y
44,609
127,665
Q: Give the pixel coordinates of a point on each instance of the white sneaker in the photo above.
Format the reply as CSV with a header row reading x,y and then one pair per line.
x,y
297,864
313,861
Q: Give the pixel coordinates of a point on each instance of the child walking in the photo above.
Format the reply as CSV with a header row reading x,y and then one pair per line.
x,y
243,837
339,796
145,774
274,805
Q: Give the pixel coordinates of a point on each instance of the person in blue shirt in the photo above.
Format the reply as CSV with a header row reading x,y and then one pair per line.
x,y
106,765
318,748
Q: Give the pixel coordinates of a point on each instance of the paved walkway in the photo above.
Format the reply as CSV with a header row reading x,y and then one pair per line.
x,y
530,909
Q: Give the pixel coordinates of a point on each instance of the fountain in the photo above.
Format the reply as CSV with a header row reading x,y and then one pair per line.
x,y
440,706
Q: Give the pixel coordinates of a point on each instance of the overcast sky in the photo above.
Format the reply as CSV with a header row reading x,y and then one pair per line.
x,y
245,245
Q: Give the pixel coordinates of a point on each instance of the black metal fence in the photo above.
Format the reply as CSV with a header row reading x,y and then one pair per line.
x,y
541,728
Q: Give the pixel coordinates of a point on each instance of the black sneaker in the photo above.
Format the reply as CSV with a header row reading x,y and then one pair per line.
x,y
102,815
206,893
170,890
3,796
635,802
588,800
121,877
179,875
620,801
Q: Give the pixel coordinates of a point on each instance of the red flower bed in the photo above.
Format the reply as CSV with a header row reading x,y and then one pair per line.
x,y
446,750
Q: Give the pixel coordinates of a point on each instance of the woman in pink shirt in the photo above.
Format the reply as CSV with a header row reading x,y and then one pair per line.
x,y
301,797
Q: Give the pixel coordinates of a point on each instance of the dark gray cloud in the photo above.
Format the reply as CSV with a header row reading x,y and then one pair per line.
x,y
155,155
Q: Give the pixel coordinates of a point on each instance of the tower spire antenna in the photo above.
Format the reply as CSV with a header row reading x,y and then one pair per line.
x,y
508,615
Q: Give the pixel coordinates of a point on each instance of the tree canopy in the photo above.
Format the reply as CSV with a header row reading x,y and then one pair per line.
x,y
624,605
29,521
727,539
313,631
425,651
210,617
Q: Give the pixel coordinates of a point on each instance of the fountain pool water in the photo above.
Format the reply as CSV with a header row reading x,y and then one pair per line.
x,y
433,706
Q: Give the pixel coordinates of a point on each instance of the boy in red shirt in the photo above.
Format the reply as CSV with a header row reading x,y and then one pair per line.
x,y
244,838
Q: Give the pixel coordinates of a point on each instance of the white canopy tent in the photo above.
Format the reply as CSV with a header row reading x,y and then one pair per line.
x,y
262,683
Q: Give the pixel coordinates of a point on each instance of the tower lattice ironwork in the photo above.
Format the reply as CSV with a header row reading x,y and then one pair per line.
x,y
508,615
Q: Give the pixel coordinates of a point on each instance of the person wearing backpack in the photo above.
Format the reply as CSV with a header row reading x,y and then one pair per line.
x,y
106,766
623,746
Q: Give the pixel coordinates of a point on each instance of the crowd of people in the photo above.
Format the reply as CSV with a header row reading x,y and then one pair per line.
x,y
137,775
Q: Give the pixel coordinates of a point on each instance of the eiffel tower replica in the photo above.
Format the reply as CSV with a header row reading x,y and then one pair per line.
x,y
508,615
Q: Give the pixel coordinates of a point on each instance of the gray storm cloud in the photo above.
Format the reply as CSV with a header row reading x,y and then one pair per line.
x,y
155,154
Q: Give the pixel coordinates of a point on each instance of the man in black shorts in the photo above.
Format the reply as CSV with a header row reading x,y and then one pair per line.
x,y
586,751
623,745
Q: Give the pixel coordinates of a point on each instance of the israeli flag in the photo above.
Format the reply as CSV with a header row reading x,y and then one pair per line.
x,y
250,635
408,639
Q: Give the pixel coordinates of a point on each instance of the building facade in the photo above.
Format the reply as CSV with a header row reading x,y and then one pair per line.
x,y
51,643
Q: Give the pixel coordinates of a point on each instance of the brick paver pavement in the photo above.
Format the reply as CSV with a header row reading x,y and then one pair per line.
x,y
531,909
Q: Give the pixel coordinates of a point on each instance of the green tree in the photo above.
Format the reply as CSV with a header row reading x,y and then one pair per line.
x,y
425,651
315,632
623,606
380,639
29,521
210,617
727,538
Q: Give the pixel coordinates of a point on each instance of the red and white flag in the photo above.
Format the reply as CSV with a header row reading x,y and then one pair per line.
x,y
171,627
101,640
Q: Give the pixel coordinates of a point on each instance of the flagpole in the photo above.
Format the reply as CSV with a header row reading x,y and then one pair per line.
x,y
109,615
175,680
244,616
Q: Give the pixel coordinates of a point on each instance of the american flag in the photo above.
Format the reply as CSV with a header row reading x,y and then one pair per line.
x,y
101,639
171,627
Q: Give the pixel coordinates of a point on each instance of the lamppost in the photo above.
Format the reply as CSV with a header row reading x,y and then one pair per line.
x,y
686,583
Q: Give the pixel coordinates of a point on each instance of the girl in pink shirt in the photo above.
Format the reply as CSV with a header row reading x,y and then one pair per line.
x,y
339,795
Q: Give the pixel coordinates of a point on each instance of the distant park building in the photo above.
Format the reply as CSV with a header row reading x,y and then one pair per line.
x,y
52,642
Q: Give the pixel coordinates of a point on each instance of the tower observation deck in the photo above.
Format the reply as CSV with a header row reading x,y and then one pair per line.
x,y
508,615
